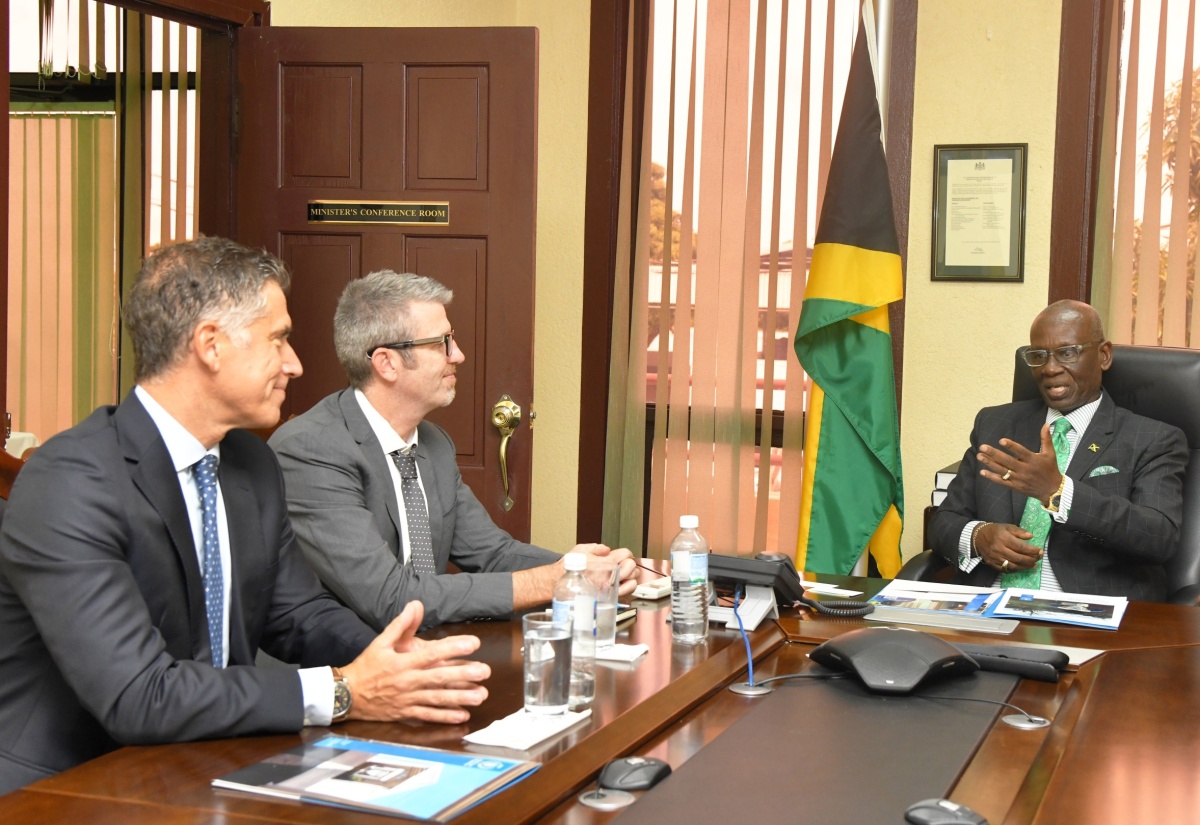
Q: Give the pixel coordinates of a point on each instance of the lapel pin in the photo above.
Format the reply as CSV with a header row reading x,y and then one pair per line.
x,y
1094,448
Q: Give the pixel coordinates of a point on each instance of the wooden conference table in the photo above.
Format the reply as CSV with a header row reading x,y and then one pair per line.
x,y
1123,746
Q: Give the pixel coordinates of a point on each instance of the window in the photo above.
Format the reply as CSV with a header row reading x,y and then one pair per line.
x,y
1149,223
73,100
741,103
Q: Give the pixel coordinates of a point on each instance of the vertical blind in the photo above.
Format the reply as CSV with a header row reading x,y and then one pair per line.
x,y
740,101
62,273
76,227
1153,171
170,54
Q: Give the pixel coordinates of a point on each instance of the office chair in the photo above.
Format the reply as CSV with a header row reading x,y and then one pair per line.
x,y
9,467
1162,383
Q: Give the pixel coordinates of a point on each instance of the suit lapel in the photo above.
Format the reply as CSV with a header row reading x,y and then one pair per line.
x,y
246,550
154,475
1028,433
360,430
1099,433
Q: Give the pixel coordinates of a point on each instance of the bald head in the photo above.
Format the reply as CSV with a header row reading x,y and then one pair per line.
x,y
1073,312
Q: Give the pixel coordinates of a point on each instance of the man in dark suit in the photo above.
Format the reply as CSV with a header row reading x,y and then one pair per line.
x,y
1109,519
146,554
342,463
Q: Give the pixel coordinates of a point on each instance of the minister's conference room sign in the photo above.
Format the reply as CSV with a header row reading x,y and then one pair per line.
x,y
401,213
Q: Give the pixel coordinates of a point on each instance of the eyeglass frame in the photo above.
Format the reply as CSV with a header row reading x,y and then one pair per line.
x,y
446,338
1056,354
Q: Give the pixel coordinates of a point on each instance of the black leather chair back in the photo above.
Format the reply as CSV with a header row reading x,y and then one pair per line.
x,y
1162,383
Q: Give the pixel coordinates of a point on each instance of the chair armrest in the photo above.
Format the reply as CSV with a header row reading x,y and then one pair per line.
x,y
923,567
1185,595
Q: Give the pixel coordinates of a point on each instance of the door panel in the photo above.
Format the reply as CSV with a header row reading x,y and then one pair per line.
x,y
448,109
460,263
403,115
321,266
328,156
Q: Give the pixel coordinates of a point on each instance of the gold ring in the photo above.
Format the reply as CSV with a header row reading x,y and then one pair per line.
x,y
1004,564
1007,475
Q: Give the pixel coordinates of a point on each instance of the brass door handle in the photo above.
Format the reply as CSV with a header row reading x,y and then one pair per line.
x,y
506,417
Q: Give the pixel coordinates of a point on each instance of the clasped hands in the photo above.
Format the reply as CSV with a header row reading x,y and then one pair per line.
x,y
1011,465
402,677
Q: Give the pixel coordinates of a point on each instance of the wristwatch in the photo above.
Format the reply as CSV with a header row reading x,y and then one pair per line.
x,y
341,696
1055,500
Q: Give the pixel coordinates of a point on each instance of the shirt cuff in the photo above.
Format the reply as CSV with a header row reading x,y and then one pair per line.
x,y
1064,503
967,562
316,688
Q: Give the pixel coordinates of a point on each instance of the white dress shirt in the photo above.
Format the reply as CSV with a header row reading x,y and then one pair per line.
x,y
316,684
391,441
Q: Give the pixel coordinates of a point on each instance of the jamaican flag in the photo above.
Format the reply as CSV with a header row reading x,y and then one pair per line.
x,y
852,496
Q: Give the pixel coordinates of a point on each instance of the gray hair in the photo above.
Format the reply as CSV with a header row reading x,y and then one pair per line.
x,y
375,310
182,285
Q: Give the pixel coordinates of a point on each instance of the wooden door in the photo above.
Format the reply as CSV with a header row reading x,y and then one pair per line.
x,y
412,115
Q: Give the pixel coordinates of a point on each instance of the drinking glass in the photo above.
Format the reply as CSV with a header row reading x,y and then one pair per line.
x,y
547,662
605,576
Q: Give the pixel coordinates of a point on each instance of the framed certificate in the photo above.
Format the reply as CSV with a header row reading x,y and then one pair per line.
x,y
979,212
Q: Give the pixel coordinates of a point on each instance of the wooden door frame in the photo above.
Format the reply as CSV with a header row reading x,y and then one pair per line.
x,y
4,81
608,52
1083,64
217,21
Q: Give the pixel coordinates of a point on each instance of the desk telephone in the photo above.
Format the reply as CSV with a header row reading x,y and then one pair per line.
x,y
776,571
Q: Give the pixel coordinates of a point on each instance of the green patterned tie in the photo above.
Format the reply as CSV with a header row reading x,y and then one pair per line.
x,y
1036,519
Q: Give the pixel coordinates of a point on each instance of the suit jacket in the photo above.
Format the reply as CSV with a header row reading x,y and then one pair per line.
x,y
342,503
1122,526
105,637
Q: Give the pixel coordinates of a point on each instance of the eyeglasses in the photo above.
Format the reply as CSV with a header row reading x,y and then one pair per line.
x,y
446,340
1063,355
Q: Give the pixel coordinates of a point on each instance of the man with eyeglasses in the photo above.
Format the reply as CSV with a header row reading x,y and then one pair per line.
x,y
146,553
1071,492
374,492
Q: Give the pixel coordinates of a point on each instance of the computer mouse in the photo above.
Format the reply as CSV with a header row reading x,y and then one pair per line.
x,y
633,773
942,812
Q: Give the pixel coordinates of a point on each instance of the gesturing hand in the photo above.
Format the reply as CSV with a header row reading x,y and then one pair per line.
x,y
401,677
1013,466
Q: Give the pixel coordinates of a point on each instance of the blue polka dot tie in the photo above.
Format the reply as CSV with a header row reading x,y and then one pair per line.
x,y
420,537
205,471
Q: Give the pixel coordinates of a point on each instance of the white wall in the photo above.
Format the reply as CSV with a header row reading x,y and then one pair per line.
x,y
987,72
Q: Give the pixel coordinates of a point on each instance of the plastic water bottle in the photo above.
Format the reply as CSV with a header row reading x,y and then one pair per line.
x,y
689,583
575,596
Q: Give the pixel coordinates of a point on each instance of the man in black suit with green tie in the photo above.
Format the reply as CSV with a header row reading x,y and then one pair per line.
x,y
1071,492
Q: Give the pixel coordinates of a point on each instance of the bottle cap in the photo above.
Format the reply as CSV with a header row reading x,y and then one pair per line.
x,y
575,561
689,522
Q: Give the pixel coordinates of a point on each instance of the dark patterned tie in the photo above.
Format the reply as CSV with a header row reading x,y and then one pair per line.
x,y
420,537
205,471
1036,519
